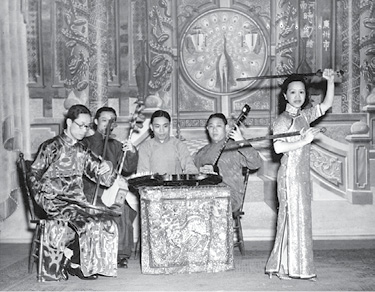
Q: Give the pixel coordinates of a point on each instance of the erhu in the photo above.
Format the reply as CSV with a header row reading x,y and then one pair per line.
x,y
116,194
107,133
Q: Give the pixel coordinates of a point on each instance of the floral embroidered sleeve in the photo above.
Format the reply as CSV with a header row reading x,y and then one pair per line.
x,y
42,162
91,168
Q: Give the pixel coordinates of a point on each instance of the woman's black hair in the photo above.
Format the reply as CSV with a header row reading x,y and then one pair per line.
x,y
74,111
284,89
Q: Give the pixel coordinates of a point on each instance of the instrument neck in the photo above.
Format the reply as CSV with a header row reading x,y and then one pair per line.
x,y
221,150
124,155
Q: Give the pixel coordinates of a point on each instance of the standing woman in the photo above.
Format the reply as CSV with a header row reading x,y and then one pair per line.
x,y
292,254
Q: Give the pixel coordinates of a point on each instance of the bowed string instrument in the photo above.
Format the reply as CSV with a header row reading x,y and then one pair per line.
x,y
117,192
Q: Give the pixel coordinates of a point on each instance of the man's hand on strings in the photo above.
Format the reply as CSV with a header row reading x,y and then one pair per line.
x,y
104,167
128,146
236,134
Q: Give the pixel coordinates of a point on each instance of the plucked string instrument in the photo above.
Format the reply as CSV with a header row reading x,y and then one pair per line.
x,y
245,111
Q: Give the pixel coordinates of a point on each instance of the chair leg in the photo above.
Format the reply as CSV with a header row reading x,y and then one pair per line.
x,y
137,247
33,249
241,243
40,255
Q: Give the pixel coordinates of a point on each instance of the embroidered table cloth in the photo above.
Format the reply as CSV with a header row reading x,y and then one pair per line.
x,y
186,229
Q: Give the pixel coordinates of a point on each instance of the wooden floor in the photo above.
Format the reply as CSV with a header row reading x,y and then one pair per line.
x,y
341,266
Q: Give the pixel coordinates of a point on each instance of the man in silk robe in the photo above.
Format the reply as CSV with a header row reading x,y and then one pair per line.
x,y
78,243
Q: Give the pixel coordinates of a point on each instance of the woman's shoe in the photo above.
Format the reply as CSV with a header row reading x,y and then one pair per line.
x,y
65,274
77,272
313,279
64,268
283,276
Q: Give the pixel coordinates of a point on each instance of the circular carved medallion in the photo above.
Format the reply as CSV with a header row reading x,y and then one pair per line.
x,y
220,46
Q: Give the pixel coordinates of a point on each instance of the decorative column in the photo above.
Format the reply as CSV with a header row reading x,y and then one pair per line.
x,y
367,69
370,108
349,11
366,50
98,58
81,51
359,185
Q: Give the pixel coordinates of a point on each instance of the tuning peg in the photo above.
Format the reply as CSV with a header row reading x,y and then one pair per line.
x,y
141,118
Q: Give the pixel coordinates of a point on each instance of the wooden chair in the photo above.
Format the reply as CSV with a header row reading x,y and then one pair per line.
x,y
237,215
39,220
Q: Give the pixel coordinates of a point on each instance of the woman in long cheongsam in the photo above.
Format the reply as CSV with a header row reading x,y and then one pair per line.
x,y
76,242
292,254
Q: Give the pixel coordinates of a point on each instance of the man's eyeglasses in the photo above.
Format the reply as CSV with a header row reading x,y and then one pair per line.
x,y
83,126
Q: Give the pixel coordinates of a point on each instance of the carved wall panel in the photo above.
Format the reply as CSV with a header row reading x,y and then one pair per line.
x,y
41,133
330,167
77,53
327,166
35,68
361,167
113,54
152,44
81,50
193,101
367,52
139,47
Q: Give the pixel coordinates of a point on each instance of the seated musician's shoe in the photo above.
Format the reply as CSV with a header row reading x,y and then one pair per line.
x,y
64,268
122,263
77,272
64,273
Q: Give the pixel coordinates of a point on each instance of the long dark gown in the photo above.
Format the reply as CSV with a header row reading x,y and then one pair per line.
x,y
114,154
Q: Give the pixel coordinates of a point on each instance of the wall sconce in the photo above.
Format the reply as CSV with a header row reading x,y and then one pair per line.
x,y
198,39
251,39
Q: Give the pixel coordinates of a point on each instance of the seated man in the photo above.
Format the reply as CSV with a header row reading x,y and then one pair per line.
x,y
231,161
114,153
164,154
83,244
